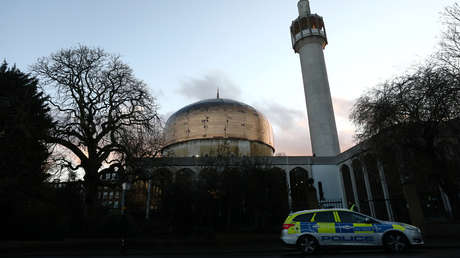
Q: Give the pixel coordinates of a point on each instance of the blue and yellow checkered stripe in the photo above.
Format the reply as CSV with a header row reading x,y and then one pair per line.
x,y
356,228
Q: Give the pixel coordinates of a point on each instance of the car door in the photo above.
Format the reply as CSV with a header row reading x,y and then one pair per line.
x,y
303,223
355,229
325,226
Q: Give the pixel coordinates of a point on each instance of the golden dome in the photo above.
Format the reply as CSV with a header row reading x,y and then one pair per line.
x,y
219,119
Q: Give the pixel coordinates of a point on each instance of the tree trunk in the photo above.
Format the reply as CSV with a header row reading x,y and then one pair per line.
x,y
404,158
91,201
413,202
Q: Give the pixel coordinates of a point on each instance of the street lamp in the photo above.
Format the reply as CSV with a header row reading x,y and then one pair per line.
x,y
124,186
124,223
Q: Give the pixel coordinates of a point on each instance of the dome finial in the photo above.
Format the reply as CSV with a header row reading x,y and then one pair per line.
x,y
217,93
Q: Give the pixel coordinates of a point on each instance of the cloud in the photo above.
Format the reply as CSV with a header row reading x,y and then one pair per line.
x,y
157,93
345,128
342,107
294,141
206,87
346,139
281,116
290,128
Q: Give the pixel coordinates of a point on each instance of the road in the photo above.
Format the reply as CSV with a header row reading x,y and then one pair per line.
x,y
448,252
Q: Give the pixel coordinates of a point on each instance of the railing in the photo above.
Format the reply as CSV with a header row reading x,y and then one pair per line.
x,y
330,204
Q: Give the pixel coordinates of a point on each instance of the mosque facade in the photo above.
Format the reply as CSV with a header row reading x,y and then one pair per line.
x,y
227,133
223,129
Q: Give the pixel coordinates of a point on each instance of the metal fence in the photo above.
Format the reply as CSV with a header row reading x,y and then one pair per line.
x,y
324,204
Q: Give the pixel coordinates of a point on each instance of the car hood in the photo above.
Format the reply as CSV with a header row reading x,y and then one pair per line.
x,y
398,223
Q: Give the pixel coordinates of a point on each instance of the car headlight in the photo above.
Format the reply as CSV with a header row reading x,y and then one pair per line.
x,y
410,227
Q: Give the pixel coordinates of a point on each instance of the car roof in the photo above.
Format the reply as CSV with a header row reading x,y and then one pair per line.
x,y
318,210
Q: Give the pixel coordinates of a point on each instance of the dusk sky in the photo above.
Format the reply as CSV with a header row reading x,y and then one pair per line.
x,y
184,50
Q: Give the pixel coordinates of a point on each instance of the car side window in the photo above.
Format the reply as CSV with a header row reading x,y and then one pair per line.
x,y
325,216
351,217
304,217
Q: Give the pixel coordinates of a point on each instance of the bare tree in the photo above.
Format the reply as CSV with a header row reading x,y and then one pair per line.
x,y
427,96
449,53
412,117
95,100
142,142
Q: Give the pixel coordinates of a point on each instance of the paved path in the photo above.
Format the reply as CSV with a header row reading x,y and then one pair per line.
x,y
229,245
451,252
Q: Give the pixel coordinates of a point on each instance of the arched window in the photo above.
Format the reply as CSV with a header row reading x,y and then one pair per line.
x,y
302,192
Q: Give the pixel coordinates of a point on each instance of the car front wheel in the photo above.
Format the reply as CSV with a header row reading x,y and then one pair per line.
x,y
395,242
307,245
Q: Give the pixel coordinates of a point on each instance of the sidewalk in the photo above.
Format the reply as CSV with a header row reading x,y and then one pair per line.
x,y
223,244
442,242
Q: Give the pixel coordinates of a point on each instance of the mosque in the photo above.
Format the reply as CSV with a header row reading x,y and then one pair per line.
x,y
228,128
224,130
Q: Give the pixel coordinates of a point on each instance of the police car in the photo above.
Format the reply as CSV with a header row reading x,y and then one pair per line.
x,y
310,229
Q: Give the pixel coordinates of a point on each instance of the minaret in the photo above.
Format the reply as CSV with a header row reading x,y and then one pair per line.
x,y
309,38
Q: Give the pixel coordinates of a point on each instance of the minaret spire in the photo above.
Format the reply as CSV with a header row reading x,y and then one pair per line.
x,y
304,8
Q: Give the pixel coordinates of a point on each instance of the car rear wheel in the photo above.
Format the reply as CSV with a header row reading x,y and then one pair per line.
x,y
395,242
307,245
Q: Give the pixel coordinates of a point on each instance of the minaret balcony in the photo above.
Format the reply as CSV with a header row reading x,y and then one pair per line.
x,y
308,33
308,26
